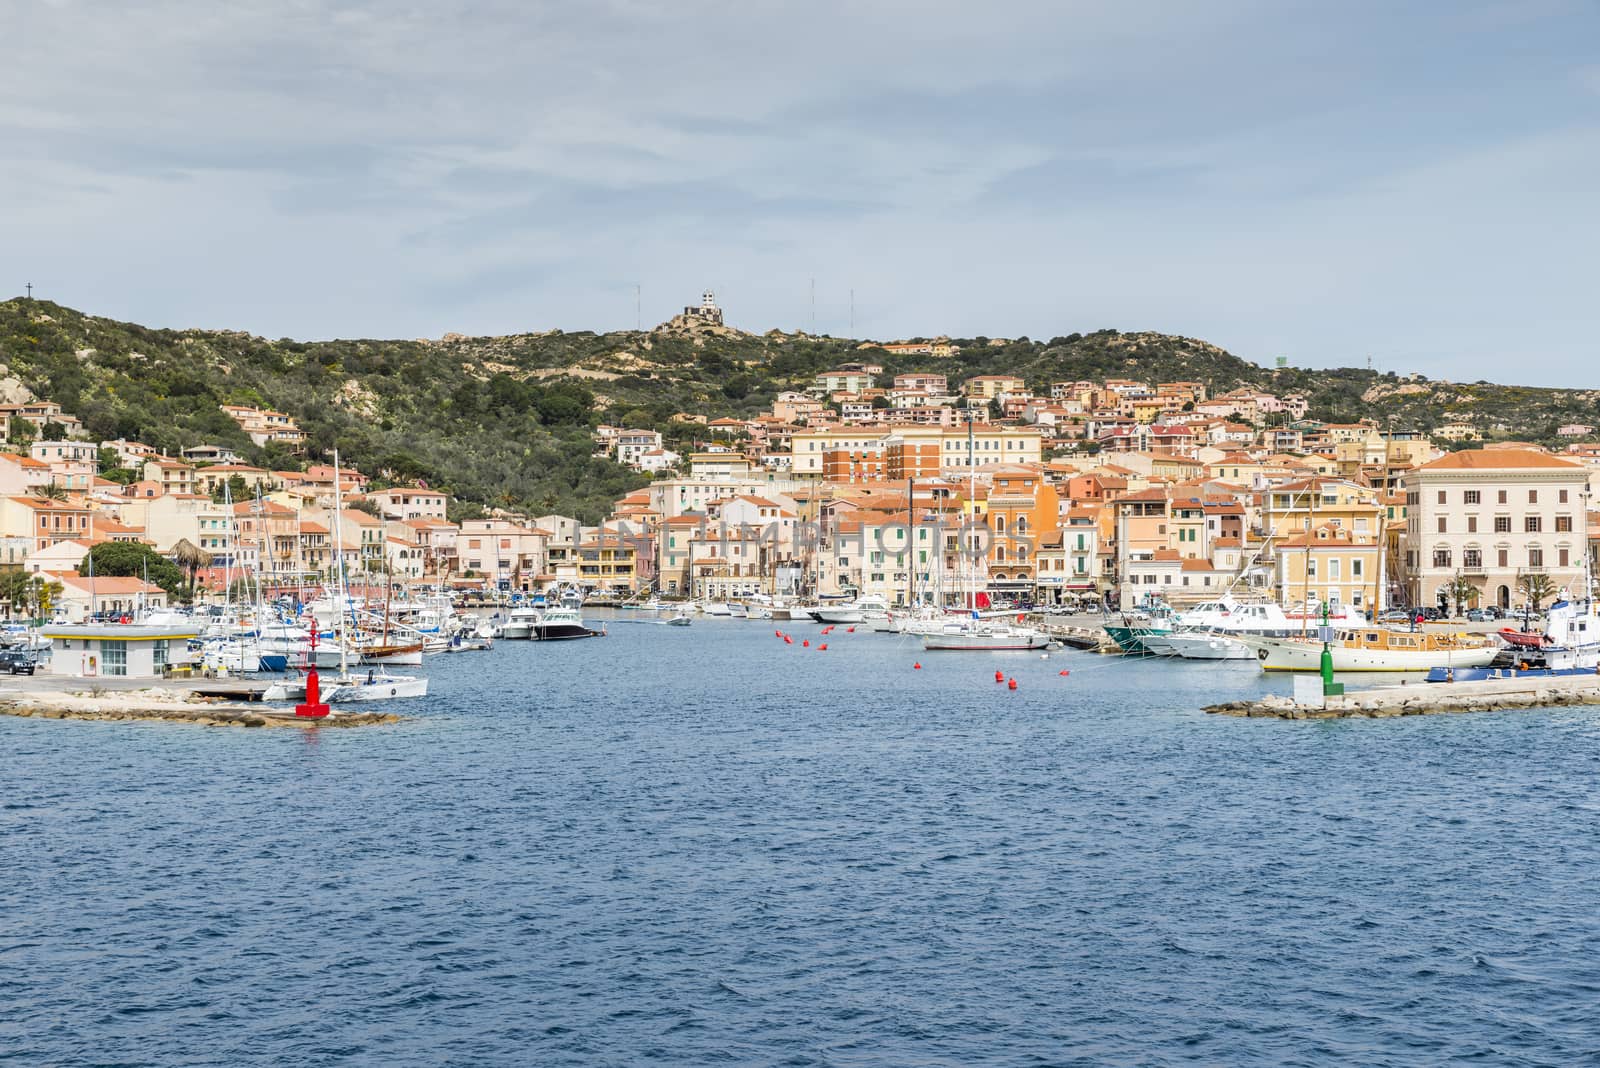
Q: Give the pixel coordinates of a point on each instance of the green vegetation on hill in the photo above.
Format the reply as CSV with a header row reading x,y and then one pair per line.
x,y
506,421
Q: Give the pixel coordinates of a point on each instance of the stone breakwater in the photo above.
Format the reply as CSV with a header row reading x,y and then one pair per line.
x,y
154,706
1422,699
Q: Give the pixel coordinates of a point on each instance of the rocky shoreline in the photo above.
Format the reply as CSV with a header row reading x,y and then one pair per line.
x,y
154,706
1424,699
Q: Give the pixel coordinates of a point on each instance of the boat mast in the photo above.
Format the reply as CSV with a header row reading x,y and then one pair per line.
x,y
1305,568
972,503
911,541
338,549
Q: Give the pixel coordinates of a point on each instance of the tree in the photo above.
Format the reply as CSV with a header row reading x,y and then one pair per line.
x,y
14,590
189,556
1460,590
135,560
51,491
1535,586
42,596
53,431
22,432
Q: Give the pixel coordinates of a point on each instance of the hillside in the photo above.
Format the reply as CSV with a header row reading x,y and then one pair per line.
x,y
506,420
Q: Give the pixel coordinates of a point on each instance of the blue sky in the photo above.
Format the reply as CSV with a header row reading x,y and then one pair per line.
x,y
1407,181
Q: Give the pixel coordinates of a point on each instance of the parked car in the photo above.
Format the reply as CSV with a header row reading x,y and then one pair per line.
x,y
1494,611
1396,615
1477,615
17,661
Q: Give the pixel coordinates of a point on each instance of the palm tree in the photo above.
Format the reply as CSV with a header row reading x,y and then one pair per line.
x,y
189,556
1460,590
1535,586
51,491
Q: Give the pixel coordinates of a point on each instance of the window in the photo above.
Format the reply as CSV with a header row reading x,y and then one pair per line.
x,y
1355,568
1502,558
1562,497
1442,525
1470,497
1441,496
1535,557
1333,569
1441,558
1502,496
1472,524
114,657
1533,496
158,656
1530,524
1502,524
1561,557
1471,558
1563,524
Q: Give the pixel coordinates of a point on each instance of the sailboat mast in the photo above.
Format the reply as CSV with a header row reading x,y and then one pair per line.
x,y
972,503
911,540
338,548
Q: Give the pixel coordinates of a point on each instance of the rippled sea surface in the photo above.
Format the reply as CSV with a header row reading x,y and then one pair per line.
x,y
703,846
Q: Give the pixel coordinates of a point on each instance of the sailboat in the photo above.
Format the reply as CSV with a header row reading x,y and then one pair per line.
x,y
346,688
976,634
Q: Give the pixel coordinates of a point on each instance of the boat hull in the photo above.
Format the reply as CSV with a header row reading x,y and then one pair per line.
x,y
985,643
562,632
1307,656
1205,647
1131,639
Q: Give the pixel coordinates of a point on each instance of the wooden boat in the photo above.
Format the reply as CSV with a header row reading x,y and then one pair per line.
x,y
1375,649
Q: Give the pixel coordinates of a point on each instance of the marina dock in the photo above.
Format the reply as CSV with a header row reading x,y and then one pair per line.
x,y
1425,698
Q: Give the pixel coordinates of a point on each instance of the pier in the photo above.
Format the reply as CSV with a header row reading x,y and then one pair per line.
x,y
1425,698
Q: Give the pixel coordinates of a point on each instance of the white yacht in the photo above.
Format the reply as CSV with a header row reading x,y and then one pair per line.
x,y
1208,631
562,624
981,635
521,623
861,610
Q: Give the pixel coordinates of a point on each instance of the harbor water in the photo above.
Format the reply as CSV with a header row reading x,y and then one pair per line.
x,y
701,845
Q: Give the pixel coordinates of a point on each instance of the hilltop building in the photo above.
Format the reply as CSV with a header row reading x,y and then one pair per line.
x,y
707,312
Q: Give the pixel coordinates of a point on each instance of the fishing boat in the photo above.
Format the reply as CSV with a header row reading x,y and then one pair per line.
x,y
1136,625
679,620
1375,649
1568,645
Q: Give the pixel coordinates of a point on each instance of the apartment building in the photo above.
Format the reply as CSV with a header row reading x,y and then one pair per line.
x,y
1494,516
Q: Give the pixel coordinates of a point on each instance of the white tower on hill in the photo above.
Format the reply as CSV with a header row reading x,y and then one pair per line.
x,y
707,312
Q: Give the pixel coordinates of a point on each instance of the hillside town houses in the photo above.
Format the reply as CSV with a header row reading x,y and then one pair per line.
x,y
916,488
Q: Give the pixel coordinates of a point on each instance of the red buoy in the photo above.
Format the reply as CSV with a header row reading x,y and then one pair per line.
x,y
806,643
777,634
917,666
852,630
1064,674
788,640
999,676
823,647
1012,685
